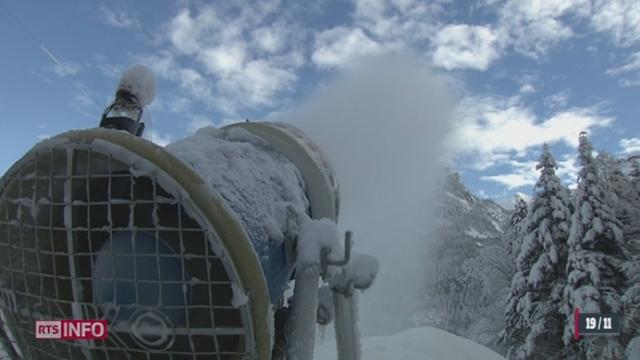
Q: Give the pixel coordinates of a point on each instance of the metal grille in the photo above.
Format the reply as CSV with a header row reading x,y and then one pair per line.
x,y
72,221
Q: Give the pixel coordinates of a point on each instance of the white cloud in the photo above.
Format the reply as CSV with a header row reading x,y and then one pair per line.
x,y
185,32
568,169
272,38
119,19
248,61
489,160
342,45
620,18
527,89
197,84
631,145
463,46
512,181
378,26
633,64
399,21
533,27
489,125
190,81
494,132
527,82
256,84
629,73
557,100
224,59
523,174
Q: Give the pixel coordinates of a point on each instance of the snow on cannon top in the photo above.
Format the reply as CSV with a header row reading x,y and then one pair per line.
x,y
136,89
140,82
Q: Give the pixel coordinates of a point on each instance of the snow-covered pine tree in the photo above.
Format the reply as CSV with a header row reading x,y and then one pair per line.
x,y
627,206
634,174
516,226
625,200
595,280
512,239
631,301
515,326
540,268
605,164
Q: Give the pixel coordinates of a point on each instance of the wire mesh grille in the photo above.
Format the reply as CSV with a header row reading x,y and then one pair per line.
x,y
82,237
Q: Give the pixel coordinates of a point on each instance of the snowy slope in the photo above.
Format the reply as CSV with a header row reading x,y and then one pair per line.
x,y
466,226
424,343
466,218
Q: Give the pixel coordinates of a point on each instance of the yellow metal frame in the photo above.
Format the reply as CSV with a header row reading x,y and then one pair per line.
x,y
230,232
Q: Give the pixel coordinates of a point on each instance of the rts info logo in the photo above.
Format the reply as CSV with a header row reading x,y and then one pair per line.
x,y
72,329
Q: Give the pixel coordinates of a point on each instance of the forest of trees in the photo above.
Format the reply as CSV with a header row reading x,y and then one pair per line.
x,y
575,249
560,250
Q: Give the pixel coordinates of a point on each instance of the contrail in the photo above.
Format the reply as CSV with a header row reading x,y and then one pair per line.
x,y
79,85
51,56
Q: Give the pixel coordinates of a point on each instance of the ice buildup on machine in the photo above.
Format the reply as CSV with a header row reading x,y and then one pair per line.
x,y
186,250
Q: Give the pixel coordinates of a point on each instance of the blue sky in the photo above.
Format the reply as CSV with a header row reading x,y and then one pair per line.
x,y
525,72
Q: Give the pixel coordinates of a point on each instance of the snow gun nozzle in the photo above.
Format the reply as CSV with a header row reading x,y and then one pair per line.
x,y
135,90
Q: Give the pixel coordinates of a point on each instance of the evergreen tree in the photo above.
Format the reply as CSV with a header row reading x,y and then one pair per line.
x,y
595,280
631,298
540,269
605,166
625,200
627,206
634,174
516,226
515,327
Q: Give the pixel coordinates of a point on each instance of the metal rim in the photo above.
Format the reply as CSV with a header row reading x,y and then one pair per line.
x,y
206,204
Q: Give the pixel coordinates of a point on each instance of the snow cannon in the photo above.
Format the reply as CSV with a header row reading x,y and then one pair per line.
x,y
185,250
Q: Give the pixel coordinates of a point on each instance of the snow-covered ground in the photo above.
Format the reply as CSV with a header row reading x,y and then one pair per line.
x,y
424,343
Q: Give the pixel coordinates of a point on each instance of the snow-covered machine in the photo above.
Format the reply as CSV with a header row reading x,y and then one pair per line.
x,y
185,250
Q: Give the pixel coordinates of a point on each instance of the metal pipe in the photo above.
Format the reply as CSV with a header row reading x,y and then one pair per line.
x,y
302,337
346,325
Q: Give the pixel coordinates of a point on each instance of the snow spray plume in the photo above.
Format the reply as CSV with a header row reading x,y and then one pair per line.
x,y
140,82
382,125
